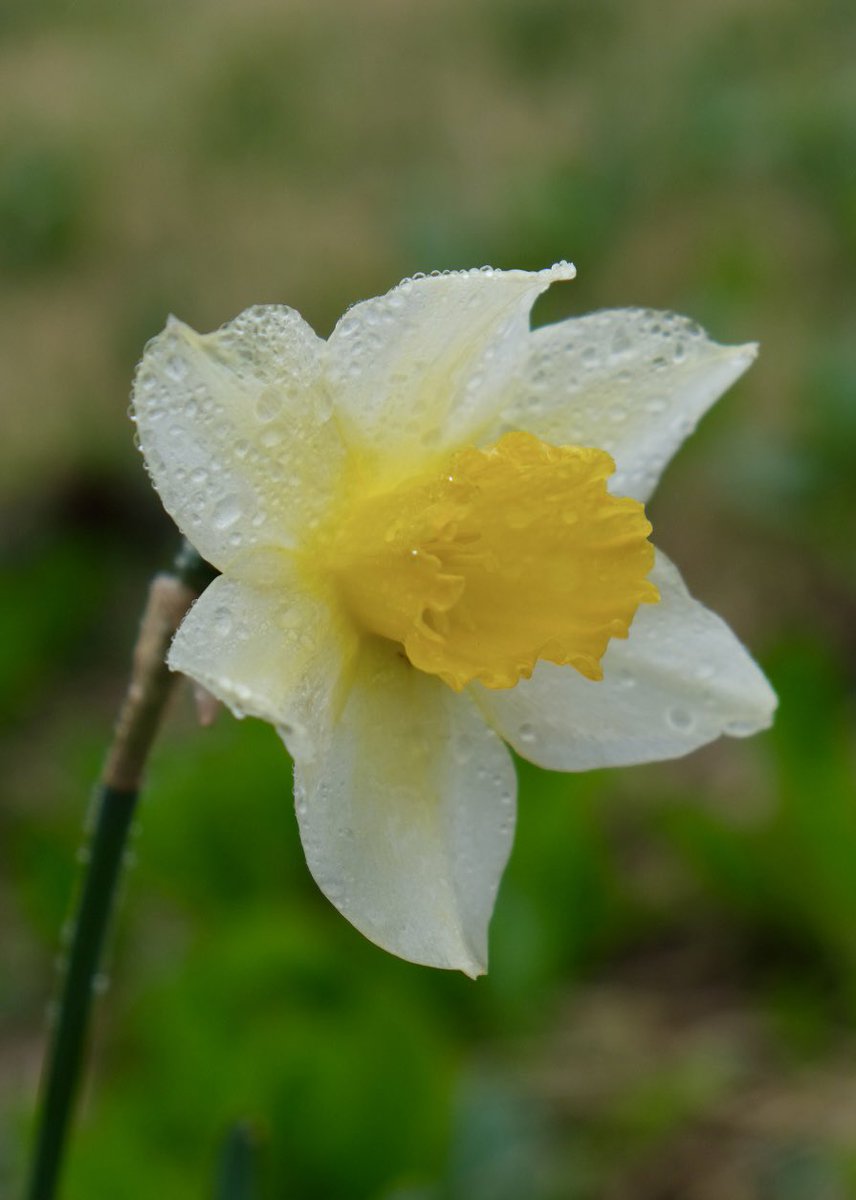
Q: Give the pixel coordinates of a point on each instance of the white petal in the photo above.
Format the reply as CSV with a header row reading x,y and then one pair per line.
x,y
421,368
273,653
235,429
407,817
679,680
630,381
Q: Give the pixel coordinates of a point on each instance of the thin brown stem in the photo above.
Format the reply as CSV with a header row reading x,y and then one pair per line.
x,y
150,686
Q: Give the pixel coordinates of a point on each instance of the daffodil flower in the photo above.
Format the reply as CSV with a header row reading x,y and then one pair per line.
x,y
432,540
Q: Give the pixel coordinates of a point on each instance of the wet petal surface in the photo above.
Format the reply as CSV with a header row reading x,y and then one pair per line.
x,y
236,431
680,680
417,371
633,382
273,652
407,816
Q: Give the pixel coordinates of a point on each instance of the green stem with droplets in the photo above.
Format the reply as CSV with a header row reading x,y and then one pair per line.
x,y
150,687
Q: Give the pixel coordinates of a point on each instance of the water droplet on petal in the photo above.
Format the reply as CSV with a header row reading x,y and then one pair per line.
x,y
222,622
268,404
680,719
226,512
323,404
617,413
740,728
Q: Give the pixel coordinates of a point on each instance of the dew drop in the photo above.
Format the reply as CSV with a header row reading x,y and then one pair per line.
x,y
739,728
680,719
226,512
288,618
222,622
268,404
323,404
175,367
527,734
617,413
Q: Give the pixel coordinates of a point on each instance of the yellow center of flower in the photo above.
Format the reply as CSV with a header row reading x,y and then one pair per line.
x,y
510,554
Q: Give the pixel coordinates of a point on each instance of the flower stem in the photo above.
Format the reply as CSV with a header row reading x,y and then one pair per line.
x,y
170,596
237,1175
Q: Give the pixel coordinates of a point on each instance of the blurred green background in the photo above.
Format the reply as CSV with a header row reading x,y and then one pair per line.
x,y
671,1008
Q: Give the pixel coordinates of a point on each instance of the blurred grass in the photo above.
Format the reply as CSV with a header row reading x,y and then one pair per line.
x,y
672,997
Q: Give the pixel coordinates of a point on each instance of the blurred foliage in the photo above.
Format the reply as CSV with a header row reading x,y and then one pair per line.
x,y
41,206
672,997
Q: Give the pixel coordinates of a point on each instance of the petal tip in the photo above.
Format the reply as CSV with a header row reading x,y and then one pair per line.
x,y
561,270
464,958
759,711
748,352
741,357
471,954
177,327
767,706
